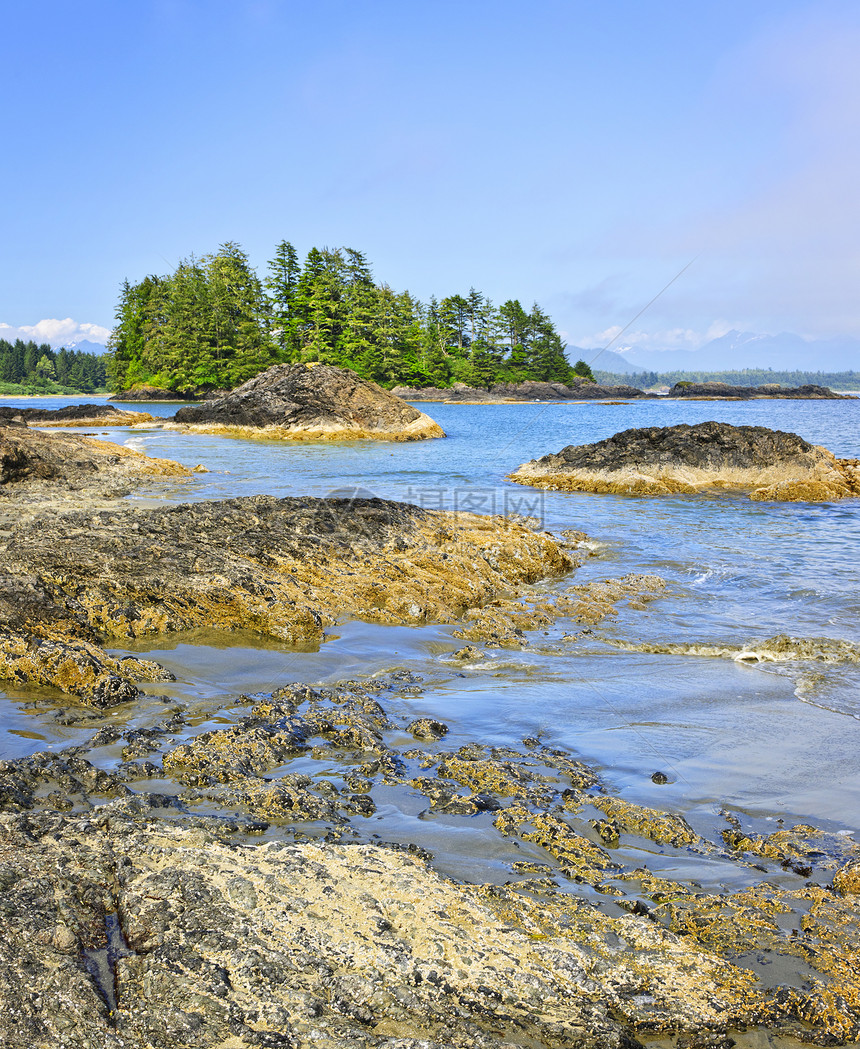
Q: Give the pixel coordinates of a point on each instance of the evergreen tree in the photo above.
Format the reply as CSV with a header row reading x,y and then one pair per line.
x,y
284,271
454,312
583,371
213,323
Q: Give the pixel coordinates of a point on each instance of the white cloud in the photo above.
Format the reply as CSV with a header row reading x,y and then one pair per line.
x,y
55,332
661,339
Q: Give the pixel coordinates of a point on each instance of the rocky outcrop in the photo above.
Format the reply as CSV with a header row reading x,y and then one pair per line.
x,y
532,390
582,390
300,402
687,459
711,391
123,928
284,568
32,462
75,415
74,667
166,936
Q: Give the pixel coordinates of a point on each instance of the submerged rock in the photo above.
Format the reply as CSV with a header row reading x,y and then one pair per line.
x,y
302,402
688,459
76,415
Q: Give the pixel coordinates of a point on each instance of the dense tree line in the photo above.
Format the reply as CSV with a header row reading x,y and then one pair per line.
x,y
39,369
645,380
215,323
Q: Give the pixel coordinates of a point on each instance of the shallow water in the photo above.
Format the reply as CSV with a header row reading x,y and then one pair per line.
x,y
733,719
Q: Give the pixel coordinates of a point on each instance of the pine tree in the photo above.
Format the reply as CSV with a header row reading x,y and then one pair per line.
x,y
284,271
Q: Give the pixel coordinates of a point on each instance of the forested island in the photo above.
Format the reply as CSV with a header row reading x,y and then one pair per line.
x,y
214,323
31,368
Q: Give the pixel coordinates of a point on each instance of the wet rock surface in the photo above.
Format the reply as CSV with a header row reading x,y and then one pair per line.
x,y
688,459
282,568
298,402
202,914
40,467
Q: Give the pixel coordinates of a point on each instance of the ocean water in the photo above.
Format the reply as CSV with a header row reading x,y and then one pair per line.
x,y
701,685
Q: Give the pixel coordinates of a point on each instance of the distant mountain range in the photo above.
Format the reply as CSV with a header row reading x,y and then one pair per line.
x,y
734,351
85,346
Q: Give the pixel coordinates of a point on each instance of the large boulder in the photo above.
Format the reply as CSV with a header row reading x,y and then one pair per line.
x,y
303,402
656,460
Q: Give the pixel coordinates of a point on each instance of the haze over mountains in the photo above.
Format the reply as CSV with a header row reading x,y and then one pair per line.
x,y
734,351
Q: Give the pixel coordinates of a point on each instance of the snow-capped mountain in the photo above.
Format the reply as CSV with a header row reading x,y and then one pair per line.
x,y
85,346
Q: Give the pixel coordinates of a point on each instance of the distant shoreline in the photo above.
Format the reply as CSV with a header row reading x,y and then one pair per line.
x,y
51,396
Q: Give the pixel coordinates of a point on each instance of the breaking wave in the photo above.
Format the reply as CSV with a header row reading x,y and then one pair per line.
x,y
779,649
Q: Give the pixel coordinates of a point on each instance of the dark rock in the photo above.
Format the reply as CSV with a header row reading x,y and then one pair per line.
x,y
659,777
75,415
658,460
297,401
721,390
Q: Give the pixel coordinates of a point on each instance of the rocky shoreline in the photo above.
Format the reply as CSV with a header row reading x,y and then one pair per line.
x,y
173,883
283,568
55,469
154,919
74,415
721,391
504,393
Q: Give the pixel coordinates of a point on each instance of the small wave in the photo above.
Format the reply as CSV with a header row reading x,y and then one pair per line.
x,y
136,442
702,578
779,649
818,691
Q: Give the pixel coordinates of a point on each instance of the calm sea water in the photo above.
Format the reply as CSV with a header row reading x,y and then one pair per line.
x,y
766,736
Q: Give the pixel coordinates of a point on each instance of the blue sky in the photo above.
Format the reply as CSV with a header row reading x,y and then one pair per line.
x,y
574,154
